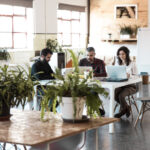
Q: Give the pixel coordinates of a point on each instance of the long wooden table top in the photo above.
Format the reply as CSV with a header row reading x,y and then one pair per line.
x,y
26,128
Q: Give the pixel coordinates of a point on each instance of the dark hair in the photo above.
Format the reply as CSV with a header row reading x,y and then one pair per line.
x,y
126,51
90,49
46,51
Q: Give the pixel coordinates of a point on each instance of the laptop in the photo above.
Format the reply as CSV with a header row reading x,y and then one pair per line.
x,y
116,74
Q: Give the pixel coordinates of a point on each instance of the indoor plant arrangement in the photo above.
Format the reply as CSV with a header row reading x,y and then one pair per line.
x,y
126,32
53,45
4,55
72,92
16,88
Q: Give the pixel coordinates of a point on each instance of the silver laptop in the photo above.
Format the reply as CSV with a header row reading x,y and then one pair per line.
x,y
116,74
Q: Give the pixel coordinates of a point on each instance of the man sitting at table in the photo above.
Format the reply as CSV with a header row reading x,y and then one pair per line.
x,y
97,64
41,70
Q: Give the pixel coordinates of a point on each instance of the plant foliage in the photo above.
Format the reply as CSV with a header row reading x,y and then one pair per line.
x,y
53,45
4,55
16,86
72,86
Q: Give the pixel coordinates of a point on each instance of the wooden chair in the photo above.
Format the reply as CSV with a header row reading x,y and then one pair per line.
x,y
130,101
144,108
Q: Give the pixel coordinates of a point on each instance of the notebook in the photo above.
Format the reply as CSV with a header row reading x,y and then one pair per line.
x,y
116,74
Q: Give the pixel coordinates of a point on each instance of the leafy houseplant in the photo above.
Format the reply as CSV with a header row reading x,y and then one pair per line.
x,y
16,88
53,45
71,86
4,55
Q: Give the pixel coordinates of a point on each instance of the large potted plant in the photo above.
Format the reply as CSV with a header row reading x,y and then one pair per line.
x,y
58,58
16,88
72,93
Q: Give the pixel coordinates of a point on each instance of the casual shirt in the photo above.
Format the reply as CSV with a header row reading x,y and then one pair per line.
x,y
41,70
97,65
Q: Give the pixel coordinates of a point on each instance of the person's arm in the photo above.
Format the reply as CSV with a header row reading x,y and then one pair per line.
x,y
100,70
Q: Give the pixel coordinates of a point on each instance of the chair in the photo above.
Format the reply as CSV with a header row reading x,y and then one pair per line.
x,y
131,101
144,107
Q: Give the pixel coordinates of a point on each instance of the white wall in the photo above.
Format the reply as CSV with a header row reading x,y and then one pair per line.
x,y
45,14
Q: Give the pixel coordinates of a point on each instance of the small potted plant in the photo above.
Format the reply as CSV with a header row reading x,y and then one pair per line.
x,y
4,54
126,32
16,88
73,93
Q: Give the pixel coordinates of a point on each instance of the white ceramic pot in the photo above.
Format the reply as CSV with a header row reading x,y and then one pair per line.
x,y
124,36
67,108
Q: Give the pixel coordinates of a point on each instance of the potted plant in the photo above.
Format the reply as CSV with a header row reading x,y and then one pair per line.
x,y
58,53
126,32
16,88
72,93
4,55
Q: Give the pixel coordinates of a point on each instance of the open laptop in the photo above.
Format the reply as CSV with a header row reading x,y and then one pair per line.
x,y
82,69
116,74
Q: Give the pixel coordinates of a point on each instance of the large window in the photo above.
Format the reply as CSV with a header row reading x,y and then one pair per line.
x,y
16,27
72,28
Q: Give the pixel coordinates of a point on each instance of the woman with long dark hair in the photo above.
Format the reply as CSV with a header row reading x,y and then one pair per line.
x,y
120,93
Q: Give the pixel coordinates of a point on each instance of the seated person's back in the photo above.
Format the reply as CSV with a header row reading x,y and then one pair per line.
x,y
41,70
97,64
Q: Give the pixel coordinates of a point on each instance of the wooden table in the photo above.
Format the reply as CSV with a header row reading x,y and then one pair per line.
x,y
26,128
108,85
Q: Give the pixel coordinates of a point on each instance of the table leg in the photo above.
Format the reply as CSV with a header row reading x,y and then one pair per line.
x,y
45,146
111,109
96,138
35,99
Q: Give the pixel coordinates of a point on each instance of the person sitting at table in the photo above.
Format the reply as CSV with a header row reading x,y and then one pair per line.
x,y
41,70
120,93
97,64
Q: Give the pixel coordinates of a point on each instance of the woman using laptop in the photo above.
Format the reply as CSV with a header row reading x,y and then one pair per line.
x,y
122,92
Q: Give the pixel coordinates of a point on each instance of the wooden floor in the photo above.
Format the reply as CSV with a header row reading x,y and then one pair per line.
x,y
126,137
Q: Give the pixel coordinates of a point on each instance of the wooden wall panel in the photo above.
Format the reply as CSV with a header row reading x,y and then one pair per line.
x,y
102,19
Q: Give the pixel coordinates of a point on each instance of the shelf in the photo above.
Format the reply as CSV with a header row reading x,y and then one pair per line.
x,y
120,41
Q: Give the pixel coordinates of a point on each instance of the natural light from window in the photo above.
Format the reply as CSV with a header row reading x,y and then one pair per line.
x,y
71,28
16,27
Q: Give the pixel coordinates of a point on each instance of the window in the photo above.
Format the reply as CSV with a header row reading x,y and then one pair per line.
x,y
16,27
72,28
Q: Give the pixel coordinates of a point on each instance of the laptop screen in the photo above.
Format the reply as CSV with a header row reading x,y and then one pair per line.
x,y
116,72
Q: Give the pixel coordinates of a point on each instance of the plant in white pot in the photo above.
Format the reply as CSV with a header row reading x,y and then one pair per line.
x,y
72,93
16,88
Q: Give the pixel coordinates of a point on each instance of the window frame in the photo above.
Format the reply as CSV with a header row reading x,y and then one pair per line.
x,y
13,32
71,33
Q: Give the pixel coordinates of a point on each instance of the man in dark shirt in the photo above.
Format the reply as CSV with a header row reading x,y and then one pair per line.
x,y
97,64
41,70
